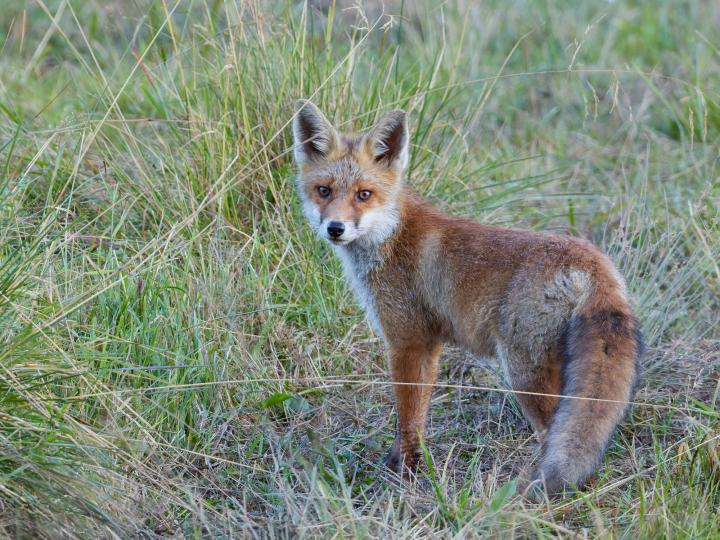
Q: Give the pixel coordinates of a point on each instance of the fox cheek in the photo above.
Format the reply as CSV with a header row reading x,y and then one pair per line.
x,y
379,223
311,211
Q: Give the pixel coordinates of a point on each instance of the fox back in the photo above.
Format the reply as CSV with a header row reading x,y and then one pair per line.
x,y
551,308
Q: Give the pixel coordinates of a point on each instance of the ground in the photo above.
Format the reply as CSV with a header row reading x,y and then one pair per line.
x,y
182,357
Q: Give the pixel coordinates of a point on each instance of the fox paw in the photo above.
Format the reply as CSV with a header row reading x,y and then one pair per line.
x,y
402,463
393,460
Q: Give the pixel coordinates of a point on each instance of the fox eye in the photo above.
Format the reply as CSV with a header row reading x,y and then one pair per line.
x,y
364,195
324,191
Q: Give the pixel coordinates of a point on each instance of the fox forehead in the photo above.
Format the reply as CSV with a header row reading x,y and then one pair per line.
x,y
347,166
343,173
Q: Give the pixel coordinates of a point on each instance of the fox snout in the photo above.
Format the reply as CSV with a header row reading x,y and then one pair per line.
x,y
335,229
338,231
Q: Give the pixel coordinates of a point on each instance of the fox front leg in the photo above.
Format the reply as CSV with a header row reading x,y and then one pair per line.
x,y
414,368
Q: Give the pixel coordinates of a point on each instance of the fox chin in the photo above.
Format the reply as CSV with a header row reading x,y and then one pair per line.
x,y
551,308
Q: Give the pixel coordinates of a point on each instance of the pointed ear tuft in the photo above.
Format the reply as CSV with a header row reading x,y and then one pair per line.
x,y
389,140
314,135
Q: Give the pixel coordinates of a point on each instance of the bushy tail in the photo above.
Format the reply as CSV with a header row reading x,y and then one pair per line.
x,y
603,346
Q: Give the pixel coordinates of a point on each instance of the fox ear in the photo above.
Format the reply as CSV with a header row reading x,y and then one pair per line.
x,y
314,135
388,141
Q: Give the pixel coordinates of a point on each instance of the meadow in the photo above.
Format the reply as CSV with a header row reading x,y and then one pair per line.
x,y
181,357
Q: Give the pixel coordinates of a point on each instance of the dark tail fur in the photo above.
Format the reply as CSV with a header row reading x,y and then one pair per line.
x,y
602,348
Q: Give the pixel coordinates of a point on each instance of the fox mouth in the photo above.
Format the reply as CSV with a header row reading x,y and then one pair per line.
x,y
343,240
339,241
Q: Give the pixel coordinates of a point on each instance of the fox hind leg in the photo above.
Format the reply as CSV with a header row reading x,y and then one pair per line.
x,y
538,385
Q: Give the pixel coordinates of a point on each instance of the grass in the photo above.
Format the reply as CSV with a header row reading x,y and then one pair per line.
x,y
181,357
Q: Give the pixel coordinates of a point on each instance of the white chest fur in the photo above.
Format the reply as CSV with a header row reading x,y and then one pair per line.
x,y
357,263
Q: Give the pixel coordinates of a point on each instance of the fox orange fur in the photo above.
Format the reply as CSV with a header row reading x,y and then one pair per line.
x,y
551,307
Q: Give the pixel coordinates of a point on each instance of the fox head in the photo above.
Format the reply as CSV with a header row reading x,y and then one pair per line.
x,y
349,183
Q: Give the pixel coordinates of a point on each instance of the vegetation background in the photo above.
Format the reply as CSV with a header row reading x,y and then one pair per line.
x,y
181,357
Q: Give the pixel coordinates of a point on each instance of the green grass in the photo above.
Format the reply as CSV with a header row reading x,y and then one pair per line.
x,y
180,356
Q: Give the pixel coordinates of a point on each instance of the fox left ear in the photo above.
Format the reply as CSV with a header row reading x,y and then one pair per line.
x,y
388,141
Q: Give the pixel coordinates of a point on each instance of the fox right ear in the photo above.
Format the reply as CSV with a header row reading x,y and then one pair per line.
x,y
388,140
314,135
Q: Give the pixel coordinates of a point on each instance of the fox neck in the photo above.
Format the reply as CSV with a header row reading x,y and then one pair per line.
x,y
361,257
358,260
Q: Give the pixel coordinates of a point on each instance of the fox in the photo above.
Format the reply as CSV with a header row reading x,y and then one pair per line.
x,y
552,308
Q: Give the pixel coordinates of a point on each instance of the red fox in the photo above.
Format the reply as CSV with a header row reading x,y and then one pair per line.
x,y
552,308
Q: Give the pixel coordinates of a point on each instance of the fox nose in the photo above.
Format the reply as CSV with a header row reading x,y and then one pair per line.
x,y
335,229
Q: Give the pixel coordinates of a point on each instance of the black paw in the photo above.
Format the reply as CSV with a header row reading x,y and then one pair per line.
x,y
404,464
393,460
